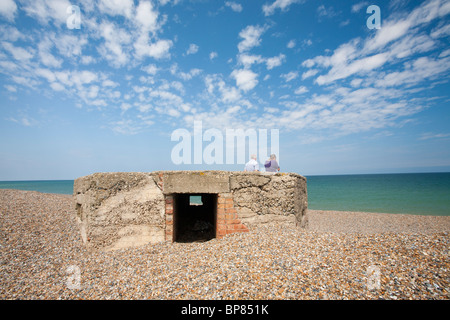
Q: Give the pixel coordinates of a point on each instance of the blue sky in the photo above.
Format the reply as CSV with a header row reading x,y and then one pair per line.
x,y
108,96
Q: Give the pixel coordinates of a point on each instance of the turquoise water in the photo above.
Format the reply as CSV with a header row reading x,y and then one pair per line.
x,y
46,186
413,193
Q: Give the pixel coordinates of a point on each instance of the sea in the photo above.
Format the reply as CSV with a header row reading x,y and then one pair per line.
x,y
410,193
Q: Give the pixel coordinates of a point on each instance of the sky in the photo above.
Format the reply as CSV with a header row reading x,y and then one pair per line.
x,y
101,86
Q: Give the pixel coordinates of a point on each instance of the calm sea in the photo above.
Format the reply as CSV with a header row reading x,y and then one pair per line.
x,y
46,186
413,193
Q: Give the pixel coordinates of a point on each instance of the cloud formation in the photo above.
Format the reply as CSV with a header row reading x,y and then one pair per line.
x,y
283,5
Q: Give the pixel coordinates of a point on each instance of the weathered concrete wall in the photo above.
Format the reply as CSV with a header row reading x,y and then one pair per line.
x,y
260,198
196,182
119,210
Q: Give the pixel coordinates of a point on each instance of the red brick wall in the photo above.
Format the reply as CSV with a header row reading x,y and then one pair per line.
x,y
227,218
169,218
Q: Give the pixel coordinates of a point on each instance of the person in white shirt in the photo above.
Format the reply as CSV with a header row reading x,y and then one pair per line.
x,y
252,165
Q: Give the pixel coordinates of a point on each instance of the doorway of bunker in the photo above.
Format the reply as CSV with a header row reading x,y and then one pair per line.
x,y
194,217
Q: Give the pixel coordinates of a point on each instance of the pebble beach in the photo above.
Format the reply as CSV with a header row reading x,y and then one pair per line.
x,y
338,256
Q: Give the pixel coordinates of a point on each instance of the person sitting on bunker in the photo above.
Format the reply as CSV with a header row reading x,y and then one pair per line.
x,y
252,165
271,164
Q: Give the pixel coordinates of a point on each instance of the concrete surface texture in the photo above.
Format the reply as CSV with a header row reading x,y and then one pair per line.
x,y
124,209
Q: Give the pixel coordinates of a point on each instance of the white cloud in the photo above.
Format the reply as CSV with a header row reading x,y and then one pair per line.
x,y
352,107
444,53
93,92
46,73
291,44
431,135
24,120
236,7
126,127
117,7
230,94
113,48
356,82
10,33
25,81
72,45
248,60
415,72
307,42
145,108
125,106
442,31
213,55
388,33
344,111
9,66
46,57
251,36
357,66
18,53
193,49
395,29
309,73
227,94
326,12
174,70
173,112
344,62
289,76
397,39
146,17
278,4
301,90
47,10
178,86
189,75
358,6
157,50
10,88
79,78
245,79
109,83
87,60
275,61
8,9
151,69
160,49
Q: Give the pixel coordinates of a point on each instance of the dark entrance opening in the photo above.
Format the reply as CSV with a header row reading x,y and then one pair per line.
x,y
194,217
